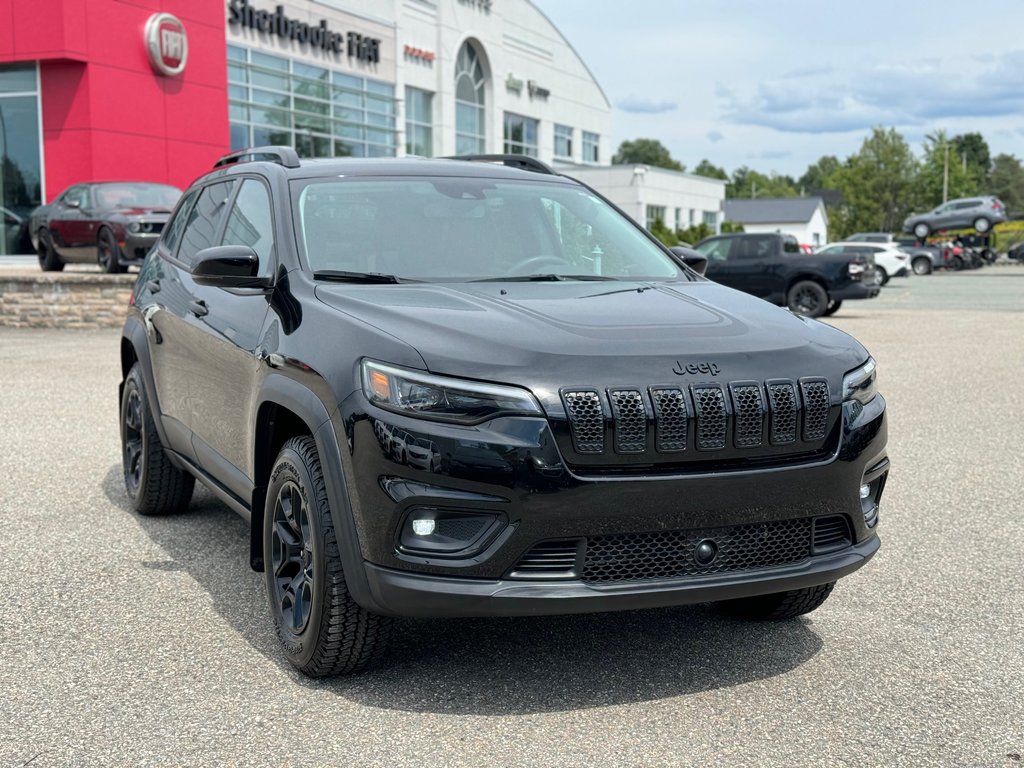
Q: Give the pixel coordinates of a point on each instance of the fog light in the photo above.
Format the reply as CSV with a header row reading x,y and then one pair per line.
x,y
865,491
423,527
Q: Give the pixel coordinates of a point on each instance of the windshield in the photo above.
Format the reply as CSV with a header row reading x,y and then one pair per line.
x,y
447,228
136,196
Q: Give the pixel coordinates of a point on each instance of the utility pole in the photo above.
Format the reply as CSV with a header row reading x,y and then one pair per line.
x,y
945,174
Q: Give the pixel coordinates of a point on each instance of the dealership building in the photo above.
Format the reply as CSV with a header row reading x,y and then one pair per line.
x,y
158,89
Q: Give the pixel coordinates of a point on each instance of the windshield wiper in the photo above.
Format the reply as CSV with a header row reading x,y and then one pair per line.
x,y
341,276
550,277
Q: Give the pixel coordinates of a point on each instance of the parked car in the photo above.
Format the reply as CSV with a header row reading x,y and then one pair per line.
x,y
773,267
615,431
978,213
924,258
113,223
890,260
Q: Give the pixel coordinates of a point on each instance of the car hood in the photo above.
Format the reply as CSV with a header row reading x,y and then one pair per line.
x,y
550,335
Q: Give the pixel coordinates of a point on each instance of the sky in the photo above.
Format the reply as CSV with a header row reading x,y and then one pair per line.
x,y
776,85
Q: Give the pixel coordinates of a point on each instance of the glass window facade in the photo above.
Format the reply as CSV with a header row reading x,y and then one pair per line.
x,y
470,103
419,121
591,147
655,213
563,141
321,112
711,219
520,135
20,166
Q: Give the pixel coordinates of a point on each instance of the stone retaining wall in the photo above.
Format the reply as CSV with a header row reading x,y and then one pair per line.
x,y
33,299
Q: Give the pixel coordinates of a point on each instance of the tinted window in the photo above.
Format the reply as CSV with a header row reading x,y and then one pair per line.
x,y
753,247
714,250
172,233
76,196
250,223
204,220
875,238
789,245
967,204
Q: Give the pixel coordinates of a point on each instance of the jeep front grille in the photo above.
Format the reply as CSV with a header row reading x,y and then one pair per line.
x,y
754,418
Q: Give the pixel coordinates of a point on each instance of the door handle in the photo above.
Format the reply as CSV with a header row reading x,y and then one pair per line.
x,y
153,286
198,308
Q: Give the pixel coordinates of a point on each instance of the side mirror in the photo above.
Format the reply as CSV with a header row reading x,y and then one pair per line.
x,y
228,266
73,203
691,258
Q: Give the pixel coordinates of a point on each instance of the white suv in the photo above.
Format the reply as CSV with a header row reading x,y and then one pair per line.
x,y
890,261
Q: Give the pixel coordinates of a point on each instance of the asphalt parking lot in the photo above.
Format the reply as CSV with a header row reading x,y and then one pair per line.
x,y
129,641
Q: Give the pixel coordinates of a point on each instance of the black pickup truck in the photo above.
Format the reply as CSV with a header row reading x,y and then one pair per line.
x,y
772,267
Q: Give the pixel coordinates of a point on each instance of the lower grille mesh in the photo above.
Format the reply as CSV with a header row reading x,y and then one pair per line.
x,y
670,554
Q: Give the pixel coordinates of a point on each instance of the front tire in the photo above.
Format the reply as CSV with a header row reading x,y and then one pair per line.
x,y
778,605
107,251
322,629
49,260
957,263
807,298
154,485
922,266
881,276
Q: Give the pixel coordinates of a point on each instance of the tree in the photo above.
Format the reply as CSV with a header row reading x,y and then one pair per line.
x,y
942,164
705,168
747,183
1006,181
647,152
820,175
877,185
972,151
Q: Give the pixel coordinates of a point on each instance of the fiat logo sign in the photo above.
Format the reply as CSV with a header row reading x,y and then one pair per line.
x,y
166,43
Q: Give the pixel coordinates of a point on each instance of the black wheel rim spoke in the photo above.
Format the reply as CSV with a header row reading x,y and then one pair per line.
x,y
134,446
292,558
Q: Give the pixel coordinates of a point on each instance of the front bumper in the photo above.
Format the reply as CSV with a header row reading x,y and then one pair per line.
x,y
136,245
413,594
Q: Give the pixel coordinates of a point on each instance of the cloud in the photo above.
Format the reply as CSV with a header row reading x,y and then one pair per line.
x,y
646,106
774,154
800,72
915,94
715,136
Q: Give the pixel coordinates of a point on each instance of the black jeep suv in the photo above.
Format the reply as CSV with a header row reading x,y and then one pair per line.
x,y
473,387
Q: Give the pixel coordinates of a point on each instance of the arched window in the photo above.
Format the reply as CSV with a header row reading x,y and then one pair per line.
x,y
470,124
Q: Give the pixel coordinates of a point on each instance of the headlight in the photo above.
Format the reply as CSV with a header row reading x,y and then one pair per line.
x,y
134,226
861,383
438,397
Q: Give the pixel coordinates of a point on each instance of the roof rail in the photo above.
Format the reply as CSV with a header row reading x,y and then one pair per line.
x,y
285,156
523,162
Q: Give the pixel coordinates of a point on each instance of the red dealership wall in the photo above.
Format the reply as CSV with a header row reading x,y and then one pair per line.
x,y
106,113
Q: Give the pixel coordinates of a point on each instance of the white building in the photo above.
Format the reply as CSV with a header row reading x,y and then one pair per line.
x,y
425,77
648,193
802,217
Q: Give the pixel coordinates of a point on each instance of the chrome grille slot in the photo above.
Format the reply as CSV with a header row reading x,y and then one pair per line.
x,y
709,403
670,419
586,419
630,420
816,405
748,415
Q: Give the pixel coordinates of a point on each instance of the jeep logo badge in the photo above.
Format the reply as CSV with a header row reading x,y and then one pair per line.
x,y
708,369
166,44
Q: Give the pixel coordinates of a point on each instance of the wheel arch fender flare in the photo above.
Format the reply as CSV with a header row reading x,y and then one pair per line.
x,y
134,341
281,390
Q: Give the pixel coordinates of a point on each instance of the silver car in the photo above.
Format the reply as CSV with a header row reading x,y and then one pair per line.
x,y
979,213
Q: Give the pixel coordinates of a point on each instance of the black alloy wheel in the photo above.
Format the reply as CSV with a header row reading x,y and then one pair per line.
x,y
807,298
107,251
49,260
322,629
292,558
154,485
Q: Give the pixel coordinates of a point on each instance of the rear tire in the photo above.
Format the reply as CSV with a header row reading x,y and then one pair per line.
x,y
807,298
981,224
881,276
322,630
154,485
833,307
956,263
778,605
922,266
921,231
49,260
